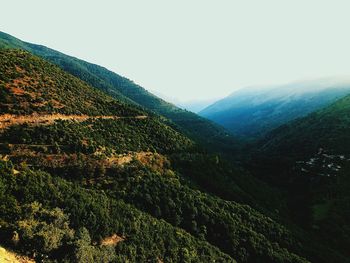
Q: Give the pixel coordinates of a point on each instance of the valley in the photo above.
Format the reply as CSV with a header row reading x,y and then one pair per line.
x,y
253,112
94,168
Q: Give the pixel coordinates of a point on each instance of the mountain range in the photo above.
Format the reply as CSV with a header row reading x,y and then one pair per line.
x,y
94,168
253,111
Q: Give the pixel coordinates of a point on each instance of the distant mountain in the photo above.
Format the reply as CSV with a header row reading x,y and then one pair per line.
x,y
195,105
253,111
328,128
197,128
91,177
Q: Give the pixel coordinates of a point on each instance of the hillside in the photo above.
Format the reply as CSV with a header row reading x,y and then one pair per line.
x,y
110,174
53,219
310,158
331,127
29,84
252,112
197,128
39,97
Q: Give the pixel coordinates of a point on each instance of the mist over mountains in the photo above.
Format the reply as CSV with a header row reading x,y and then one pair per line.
x,y
96,168
251,112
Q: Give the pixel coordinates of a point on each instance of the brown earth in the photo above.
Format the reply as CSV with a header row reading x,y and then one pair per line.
x,y
112,240
7,120
7,256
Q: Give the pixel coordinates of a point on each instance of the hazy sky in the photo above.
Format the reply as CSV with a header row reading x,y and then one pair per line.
x,y
192,49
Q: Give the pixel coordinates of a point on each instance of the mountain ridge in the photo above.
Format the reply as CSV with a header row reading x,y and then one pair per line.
x,y
70,179
97,170
194,126
309,157
252,112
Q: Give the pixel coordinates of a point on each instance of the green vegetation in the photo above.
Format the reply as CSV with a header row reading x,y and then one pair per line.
x,y
46,214
331,127
197,128
140,188
320,211
59,221
221,223
320,144
253,112
29,84
98,135
214,174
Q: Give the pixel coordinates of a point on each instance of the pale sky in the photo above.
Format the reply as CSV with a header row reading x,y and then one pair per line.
x,y
192,49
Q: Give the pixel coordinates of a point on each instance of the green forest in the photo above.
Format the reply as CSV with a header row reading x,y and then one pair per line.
x,y
94,168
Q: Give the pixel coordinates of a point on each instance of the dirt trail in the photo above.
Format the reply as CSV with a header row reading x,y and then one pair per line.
x,y
7,120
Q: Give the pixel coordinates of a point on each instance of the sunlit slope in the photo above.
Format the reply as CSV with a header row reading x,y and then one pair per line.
x,y
116,154
45,105
197,128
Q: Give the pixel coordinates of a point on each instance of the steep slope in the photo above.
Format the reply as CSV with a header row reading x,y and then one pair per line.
x,y
252,112
328,128
29,84
110,175
57,221
310,158
197,128
42,99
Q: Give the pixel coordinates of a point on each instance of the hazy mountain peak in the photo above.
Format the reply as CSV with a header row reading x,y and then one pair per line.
x,y
251,111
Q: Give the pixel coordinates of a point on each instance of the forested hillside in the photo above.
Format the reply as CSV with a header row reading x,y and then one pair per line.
x,y
57,221
86,177
29,84
114,189
310,158
197,128
331,127
254,111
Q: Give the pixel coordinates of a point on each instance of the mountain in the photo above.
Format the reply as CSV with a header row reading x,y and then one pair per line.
x,y
53,121
328,128
56,221
310,158
197,128
254,111
88,178
196,105
29,84
34,91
